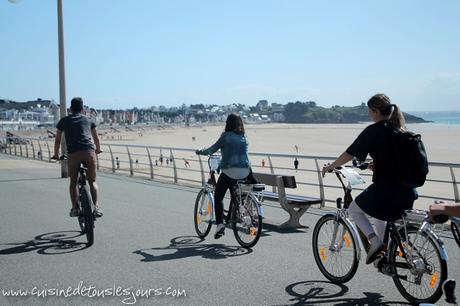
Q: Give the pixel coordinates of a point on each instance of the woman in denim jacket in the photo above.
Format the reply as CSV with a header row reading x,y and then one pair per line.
x,y
234,164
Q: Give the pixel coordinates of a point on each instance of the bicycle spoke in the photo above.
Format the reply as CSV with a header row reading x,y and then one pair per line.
x,y
334,249
424,252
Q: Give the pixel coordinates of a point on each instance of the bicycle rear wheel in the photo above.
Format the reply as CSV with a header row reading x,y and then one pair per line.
x,y
81,222
247,222
455,231
202,214
418,281
335,249
87,213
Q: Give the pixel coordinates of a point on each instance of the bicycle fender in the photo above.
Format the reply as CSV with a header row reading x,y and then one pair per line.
x,y
354,231
211,196
260,209
438,241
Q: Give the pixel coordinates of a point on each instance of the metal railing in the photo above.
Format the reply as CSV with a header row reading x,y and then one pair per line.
x,y
182,166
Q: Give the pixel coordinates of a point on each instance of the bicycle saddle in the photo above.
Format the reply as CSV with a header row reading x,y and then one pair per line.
x,y
258,187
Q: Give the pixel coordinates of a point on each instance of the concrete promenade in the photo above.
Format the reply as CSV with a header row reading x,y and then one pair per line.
x,y
146,240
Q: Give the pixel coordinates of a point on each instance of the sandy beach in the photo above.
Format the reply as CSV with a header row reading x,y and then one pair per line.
x,y
311,139
441,140
326,140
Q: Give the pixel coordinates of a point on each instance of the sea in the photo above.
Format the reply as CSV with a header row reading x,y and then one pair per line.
x,y
440,117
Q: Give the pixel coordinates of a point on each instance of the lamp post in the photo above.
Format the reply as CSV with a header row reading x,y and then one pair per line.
x,y
62,95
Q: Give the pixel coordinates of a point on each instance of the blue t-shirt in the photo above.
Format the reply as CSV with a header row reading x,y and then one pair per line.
x,y
77,129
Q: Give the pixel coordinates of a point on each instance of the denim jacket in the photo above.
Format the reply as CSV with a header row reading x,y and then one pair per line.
x,y
233,148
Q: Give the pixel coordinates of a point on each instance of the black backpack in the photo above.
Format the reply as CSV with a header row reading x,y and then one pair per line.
x,y
408,151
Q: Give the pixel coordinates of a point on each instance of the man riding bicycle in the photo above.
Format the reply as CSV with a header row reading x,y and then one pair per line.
x,y
78,130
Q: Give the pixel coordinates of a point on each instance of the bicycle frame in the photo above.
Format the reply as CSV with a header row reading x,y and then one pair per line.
x,y
236,192
82,181
392,230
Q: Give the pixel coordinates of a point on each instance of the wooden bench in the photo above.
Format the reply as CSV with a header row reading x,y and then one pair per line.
x,y
294,205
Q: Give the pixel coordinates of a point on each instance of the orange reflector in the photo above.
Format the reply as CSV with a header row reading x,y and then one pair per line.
x,y
209,208
322,254
253,231
198,219
434,279
347,240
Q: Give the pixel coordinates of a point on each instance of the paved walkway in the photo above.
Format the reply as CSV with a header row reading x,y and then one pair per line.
x,y
146,241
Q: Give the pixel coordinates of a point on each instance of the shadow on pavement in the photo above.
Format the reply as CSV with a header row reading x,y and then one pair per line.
x,y
327,293
188,246
47,244
267,228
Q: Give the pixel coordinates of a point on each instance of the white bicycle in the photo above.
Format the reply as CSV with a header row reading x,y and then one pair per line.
x,y
244,214
415,259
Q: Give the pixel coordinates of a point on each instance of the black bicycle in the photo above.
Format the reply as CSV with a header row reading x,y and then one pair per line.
x,y
85,204
87,214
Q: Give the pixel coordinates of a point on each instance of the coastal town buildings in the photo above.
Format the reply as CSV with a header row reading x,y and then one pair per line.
x,y
45,114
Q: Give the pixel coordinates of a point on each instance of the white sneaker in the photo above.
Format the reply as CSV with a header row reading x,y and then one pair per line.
x,y
375,248
220,231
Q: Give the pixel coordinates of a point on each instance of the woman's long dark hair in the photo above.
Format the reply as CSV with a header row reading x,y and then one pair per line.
x,y
382,104
234,124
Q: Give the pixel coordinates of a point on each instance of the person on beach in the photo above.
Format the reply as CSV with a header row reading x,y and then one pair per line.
x,y
234,164
384,200
78,130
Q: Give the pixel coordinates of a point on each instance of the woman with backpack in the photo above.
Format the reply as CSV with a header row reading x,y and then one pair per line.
x,y
385,199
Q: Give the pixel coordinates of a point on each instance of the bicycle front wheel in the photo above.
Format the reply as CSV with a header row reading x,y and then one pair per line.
x,y
419,278
87,213
247,222
202,214
455,231
335,249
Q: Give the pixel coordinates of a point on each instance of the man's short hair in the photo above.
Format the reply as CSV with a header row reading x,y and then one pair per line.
x,y
76,105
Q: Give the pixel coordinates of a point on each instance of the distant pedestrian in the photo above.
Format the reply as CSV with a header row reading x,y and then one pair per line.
x,y
156,162
161,159
118,162
137,163
167,162
263,162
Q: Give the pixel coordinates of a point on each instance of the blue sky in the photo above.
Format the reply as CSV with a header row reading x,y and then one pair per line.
x,y
122,54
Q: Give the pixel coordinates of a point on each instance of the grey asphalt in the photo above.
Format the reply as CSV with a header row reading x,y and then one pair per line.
x,y
146,240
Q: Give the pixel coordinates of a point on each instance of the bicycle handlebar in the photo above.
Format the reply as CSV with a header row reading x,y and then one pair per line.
x,y
62,157
360,165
